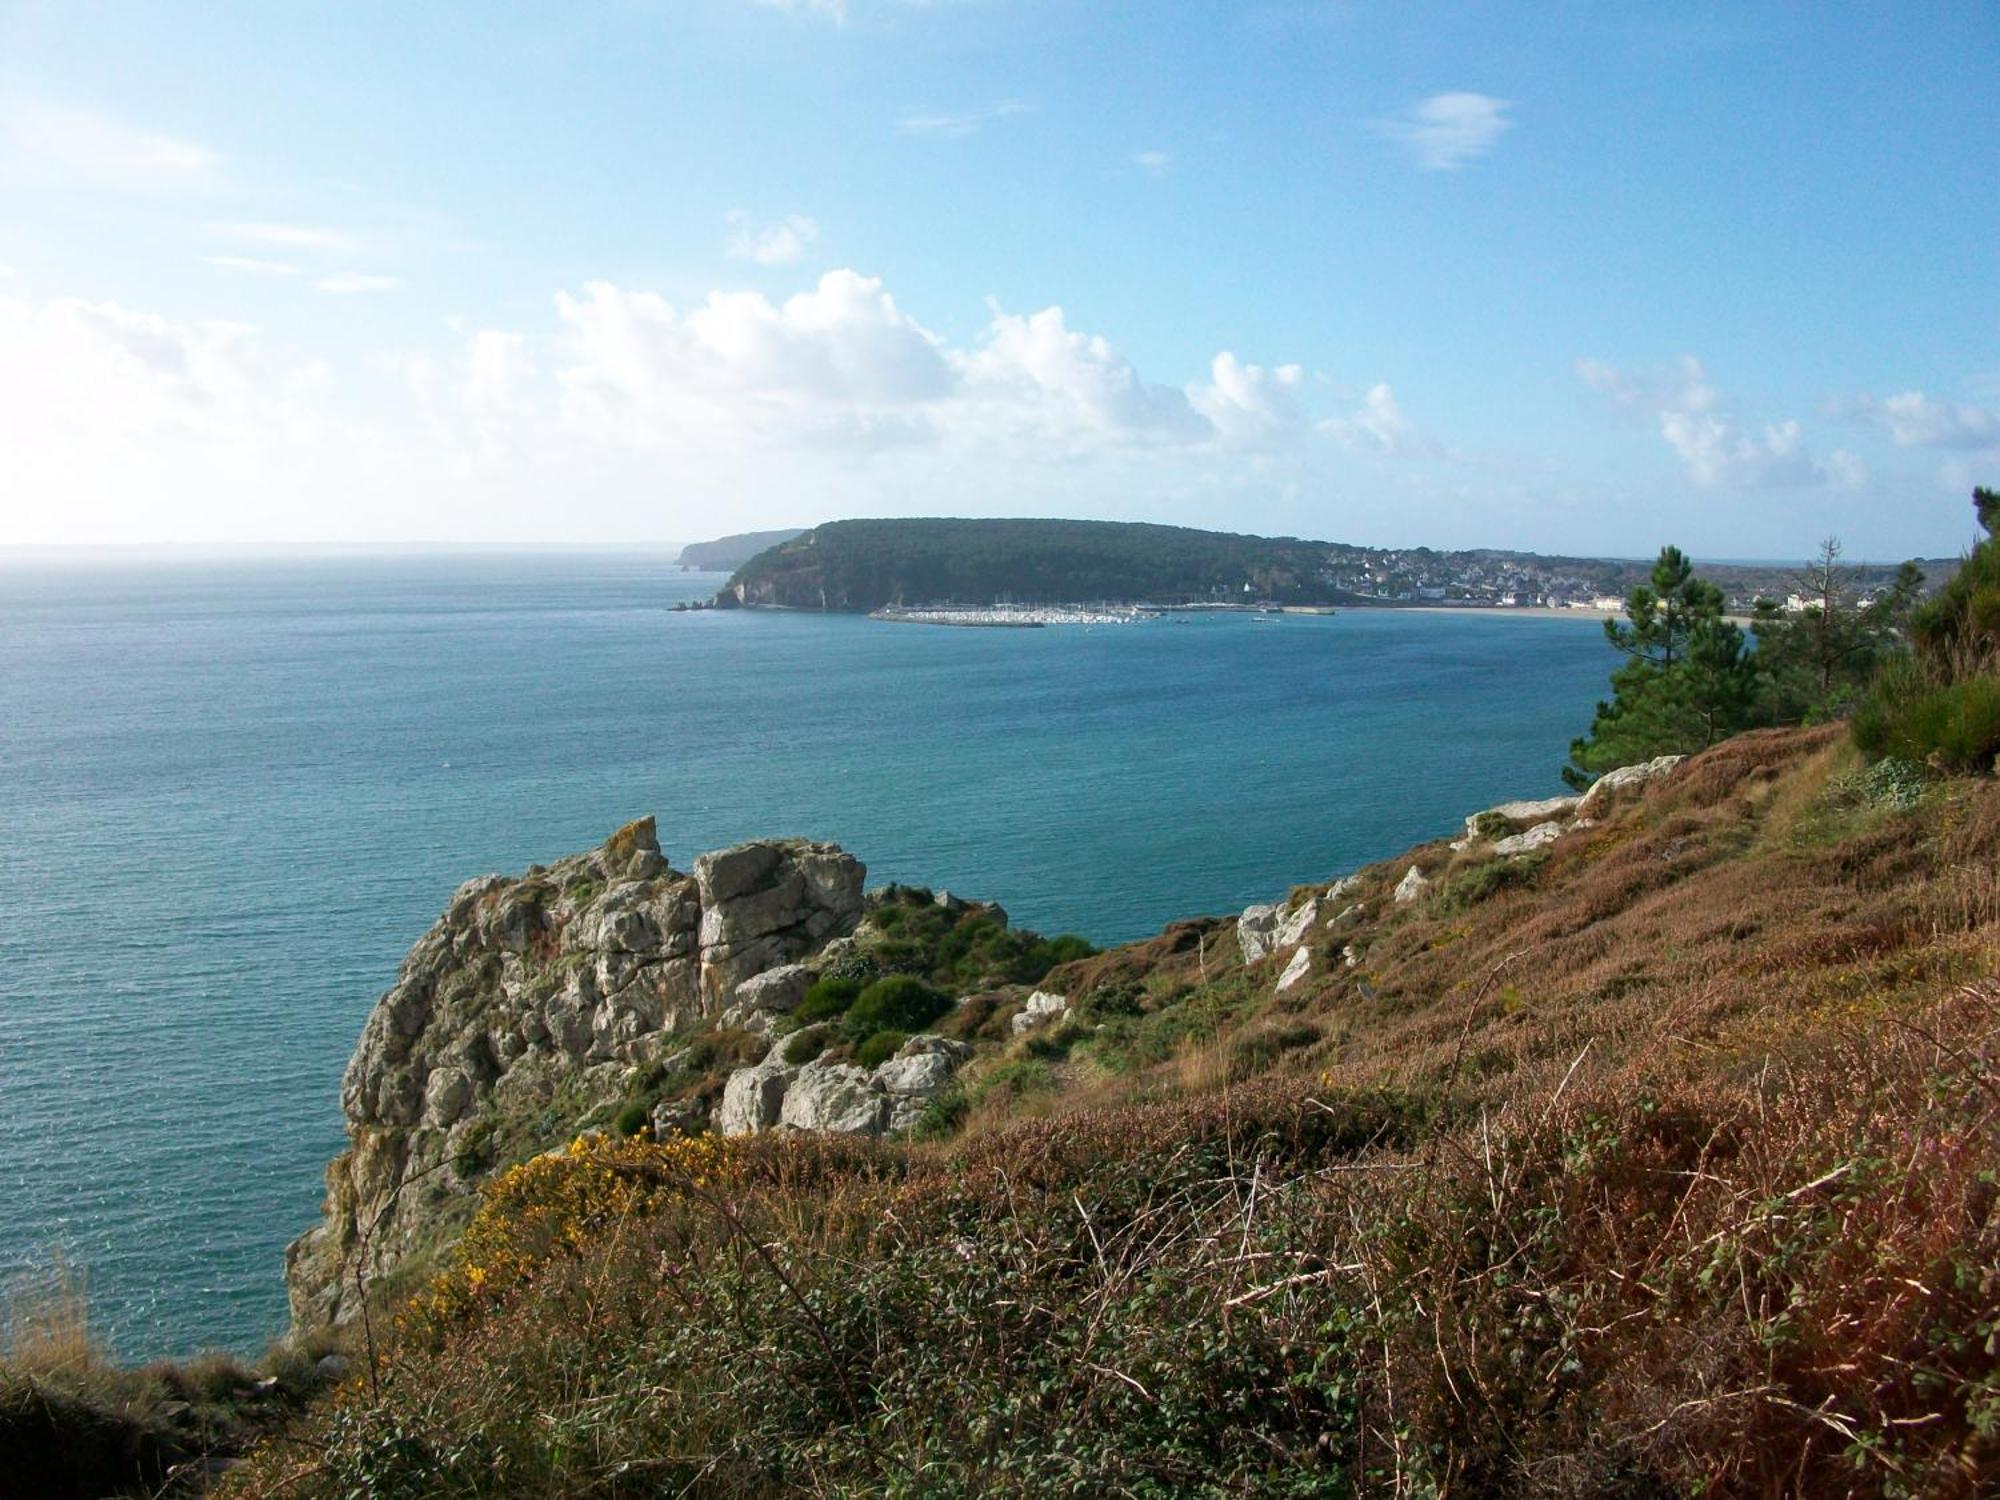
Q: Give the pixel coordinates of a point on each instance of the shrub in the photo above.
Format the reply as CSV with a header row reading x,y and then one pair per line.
x,y
1483,881
828,997
632,1119
1953,725
804,1047
897,1003
879,1048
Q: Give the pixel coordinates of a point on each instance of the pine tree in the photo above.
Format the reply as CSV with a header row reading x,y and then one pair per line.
x,y
1690,680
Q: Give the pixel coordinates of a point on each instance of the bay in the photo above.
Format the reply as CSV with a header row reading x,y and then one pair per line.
x,y
233,793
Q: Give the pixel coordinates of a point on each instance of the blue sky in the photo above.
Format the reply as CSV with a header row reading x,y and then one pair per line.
x,y
1568,277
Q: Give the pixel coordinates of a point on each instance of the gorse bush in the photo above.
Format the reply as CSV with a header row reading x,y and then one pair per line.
x,y
899,1002
827,999
879,1048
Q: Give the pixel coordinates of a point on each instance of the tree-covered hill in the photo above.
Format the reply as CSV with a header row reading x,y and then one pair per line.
x,y
864,565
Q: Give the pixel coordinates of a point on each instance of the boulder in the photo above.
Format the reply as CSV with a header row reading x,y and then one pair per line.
x,y
771,903
922,1066
1517,816
1539,837
753,1098
834,1097
776,991
1296,927
1411,887
1297,969
1613,785
1042,1007
1256,931
331,1367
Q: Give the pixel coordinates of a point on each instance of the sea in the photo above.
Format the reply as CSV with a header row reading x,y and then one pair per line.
x,y
233,793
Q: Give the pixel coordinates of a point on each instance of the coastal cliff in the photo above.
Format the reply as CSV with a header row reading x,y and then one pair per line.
x,y
529,1004
1636,1142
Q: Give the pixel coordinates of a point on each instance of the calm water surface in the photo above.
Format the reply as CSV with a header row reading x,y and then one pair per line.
x,y
232,794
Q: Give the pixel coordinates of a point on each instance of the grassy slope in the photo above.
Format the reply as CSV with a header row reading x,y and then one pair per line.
x,y
1666,1166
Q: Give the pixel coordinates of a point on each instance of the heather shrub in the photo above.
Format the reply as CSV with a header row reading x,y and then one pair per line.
x,y
879,1048
829,997
899,1002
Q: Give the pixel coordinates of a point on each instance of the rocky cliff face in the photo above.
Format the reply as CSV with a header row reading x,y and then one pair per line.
x,y
531,1000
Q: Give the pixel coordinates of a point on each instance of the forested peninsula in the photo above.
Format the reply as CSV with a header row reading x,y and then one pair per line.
x,y
860,566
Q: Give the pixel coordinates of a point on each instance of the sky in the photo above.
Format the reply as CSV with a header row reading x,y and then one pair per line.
x,y
1585,278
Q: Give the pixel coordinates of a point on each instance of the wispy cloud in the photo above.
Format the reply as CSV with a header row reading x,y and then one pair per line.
x,y
1153,163
1913,419
287,236
252,265
348,283
963,123
92,148
1719,448
1445,131
780,244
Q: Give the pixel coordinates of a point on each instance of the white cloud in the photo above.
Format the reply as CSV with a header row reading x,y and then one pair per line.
x,y
1377,425
350,283
86,146
287,236
127,426
254,265
1248,403
780,244
1153,163
1445,131
1717,446
1914,419
7,272
111,416
963,123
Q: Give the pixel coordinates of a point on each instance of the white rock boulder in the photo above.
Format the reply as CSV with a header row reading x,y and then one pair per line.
x,y
1256,931
1613,784
1411,887
1297,969
1539,837
1042,1007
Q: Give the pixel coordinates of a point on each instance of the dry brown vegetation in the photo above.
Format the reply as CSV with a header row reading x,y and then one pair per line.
x,y
1667,1164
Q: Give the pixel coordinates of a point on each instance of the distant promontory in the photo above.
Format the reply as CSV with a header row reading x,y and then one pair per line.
x,y
727,553
861,566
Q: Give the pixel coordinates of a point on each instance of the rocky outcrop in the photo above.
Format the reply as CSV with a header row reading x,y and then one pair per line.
x,y
539,995
1539,837
1256,931
1625,781
1411,887
1042,1007
841,1097
1296,970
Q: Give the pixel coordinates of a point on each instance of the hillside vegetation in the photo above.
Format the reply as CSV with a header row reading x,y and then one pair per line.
x,y
864,565
1660,1160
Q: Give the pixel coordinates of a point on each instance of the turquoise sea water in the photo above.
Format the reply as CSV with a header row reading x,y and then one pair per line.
x,y
232,794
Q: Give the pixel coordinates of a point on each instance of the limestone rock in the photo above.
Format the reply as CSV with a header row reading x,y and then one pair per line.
x,y
1256,931
767,904
753,1098
1539,837
776,991
1296,927
1613,785
1042,1007
834,1097
1297,969
549,986
1411,887
923,1065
